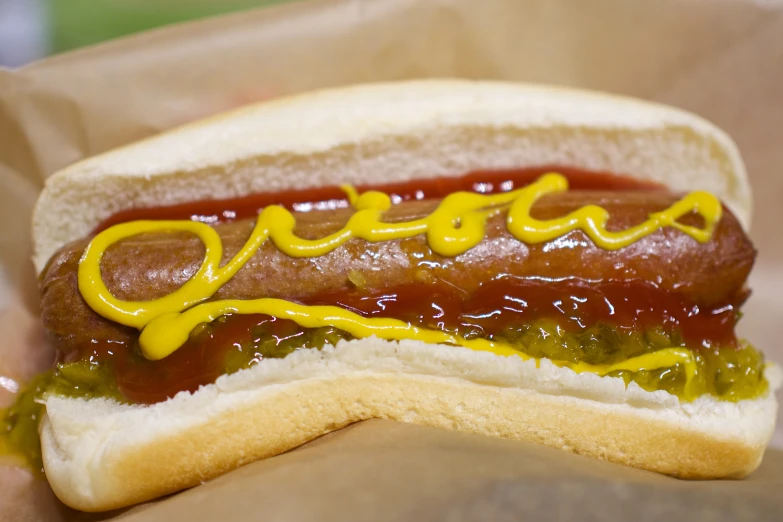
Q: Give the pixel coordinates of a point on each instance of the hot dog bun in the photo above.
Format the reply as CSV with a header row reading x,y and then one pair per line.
x,y
101,455
387,133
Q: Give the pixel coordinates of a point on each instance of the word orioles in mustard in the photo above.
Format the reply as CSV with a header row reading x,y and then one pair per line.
x,y
457,225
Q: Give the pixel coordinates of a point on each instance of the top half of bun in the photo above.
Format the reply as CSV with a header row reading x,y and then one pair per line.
x,y
378,133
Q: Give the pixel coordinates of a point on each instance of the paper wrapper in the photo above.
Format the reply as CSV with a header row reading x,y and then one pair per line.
x,y
720,59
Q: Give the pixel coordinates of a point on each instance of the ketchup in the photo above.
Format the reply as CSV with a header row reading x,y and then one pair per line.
x,y
574,306
216,211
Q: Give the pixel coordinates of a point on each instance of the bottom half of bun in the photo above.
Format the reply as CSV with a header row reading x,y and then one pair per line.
x,y
101,455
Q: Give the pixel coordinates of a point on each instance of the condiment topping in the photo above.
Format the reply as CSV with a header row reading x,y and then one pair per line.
x,y
457,225
217,211
599,324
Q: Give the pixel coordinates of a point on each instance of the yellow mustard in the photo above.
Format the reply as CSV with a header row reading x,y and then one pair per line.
x,y
457,225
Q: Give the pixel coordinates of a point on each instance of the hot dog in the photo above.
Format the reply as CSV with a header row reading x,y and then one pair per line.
x,y
598,321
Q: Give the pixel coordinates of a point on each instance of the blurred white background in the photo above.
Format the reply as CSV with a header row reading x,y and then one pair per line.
x,y
23,32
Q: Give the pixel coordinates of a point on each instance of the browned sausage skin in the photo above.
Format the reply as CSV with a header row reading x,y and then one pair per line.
x,y
153,265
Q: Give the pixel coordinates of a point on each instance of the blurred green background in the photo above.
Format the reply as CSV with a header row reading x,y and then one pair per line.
x,y
32,29
76,23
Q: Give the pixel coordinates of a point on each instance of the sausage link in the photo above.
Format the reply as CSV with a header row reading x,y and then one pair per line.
x,y
152,265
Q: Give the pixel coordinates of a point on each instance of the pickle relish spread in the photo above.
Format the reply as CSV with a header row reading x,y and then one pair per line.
x,y
729,373
590,318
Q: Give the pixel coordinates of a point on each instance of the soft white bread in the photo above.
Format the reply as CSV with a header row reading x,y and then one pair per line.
x,y
102,455
391,132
